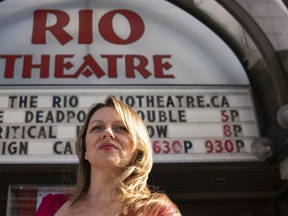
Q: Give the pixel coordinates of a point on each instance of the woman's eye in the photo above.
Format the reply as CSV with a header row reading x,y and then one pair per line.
x,y
121,129
97,128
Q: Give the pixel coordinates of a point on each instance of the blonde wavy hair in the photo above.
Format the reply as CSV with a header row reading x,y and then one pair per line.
x,y
131,187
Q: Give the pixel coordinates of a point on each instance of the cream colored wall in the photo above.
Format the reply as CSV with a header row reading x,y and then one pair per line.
x,y
272,17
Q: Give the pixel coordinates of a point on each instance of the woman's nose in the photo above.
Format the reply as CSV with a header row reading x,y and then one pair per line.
x,y
108,133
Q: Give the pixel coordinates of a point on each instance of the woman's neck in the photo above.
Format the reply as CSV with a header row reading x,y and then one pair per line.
x,y
103,185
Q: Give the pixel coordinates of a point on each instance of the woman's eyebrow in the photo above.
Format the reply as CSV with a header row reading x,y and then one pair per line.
x,y
119,122
102,122
95,121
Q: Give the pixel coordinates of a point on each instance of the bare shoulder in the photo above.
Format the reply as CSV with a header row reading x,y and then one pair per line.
x,y
65,209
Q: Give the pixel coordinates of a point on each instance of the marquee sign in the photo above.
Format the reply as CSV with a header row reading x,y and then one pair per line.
x,y
106,42
185,125
176,72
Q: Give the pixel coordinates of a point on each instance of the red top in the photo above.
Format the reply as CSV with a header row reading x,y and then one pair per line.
x,y
50,204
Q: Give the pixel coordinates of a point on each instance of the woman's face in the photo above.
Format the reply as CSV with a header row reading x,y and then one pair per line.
x,y
107,140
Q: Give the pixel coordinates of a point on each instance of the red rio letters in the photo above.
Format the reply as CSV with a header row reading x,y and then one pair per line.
x,y
85,35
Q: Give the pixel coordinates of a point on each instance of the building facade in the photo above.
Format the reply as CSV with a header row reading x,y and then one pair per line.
x,y
208,77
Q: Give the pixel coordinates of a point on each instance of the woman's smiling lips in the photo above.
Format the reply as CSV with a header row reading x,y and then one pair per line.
x,y
107,146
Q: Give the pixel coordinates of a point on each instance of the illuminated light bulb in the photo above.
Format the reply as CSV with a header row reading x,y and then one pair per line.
x,y
262,147
282,116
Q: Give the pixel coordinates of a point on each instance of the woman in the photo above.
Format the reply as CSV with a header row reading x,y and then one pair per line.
x,y
115,159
